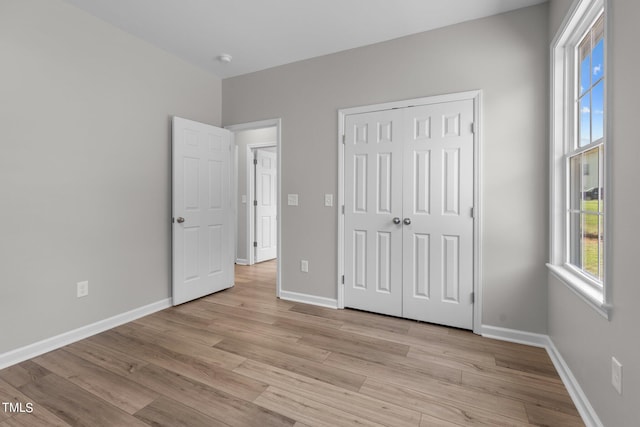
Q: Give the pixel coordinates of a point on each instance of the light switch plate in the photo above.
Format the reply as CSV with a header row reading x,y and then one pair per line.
x,y
292,199
328,200
304,266
616,375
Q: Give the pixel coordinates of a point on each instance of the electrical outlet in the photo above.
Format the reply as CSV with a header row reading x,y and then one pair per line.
x,y
292,199
83,289
328,200
304,266
616,375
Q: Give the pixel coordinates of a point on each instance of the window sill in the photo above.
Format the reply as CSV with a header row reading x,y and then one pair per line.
x,y
593,297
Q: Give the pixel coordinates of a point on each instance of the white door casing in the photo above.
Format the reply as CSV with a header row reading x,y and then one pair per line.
x,y
203,214
266,205
417,165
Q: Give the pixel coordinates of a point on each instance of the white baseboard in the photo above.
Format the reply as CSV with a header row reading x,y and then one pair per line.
x,y
515,336
36,349
309,299
240,261
588,414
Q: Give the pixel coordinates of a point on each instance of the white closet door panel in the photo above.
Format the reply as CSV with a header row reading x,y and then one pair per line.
x,y
373,197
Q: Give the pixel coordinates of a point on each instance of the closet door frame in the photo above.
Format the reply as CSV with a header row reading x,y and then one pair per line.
x,y
476,97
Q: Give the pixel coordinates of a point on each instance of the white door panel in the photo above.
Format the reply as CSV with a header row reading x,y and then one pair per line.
x,y
373,195
202,210
414,164
266,205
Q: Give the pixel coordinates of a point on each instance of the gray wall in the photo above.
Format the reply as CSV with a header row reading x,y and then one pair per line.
x,y
507,57
243,138
585,339
85,167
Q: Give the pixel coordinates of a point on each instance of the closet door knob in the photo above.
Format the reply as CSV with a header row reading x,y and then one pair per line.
x,y
180,220
396,220
407,221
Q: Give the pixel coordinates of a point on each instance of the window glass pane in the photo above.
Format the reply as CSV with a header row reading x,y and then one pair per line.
x,y
584,59
585,74
598,60
575,182
590,244
591,180
575,239
597,111
601,189
585,120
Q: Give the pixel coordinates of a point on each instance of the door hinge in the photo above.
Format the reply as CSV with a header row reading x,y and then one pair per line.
x,y
473,297
255,244
343,279
173,220
342,209
255,203
255,161
473,127
344,138
473,213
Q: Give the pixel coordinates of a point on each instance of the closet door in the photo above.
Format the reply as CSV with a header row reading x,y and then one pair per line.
x,y
373,199
437,209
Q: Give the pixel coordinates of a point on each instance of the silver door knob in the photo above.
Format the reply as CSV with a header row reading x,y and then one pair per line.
x,y
180,220
396,220
407,221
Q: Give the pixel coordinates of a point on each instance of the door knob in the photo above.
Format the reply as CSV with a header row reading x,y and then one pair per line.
x,y
407,221
396,220
180,220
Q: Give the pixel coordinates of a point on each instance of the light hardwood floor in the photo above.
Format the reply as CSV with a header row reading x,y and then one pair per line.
x,y
244,358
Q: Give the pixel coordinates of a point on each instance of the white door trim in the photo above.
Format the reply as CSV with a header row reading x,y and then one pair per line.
x,y
476,97
277,143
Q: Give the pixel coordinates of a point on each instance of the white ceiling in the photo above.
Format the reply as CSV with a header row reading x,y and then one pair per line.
x,y
261,34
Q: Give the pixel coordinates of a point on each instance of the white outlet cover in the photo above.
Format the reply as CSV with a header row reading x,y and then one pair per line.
x,y
304,266
292,199
83,289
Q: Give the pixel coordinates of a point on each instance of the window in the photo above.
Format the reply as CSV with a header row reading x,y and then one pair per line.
x,y
578,150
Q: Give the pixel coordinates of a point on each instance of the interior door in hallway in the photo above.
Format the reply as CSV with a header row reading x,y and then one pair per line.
x,y
266,205
408,212
203,215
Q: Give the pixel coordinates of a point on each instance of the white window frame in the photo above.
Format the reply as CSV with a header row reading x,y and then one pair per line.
x,y
563,129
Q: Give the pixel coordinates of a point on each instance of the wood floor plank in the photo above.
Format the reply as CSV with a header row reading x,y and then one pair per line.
x,y
117,362
74,405
540,416
332,375
308,411
427,373
38,417
523,391
367,407
391,324
185,365
165,412
118,391
210,401
511,413
23,373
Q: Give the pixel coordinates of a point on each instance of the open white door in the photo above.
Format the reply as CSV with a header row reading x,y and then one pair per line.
x,y
266,205
203,216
